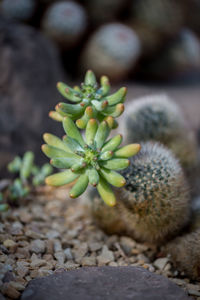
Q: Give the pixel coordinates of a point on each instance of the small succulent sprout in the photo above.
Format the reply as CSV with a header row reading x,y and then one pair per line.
x,y
90,101
91,160
27,164
15,165
42,173
3,206
18,190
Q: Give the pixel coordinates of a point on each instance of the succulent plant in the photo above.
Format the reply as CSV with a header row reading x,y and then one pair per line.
x,y
185,253
65,22
28,174
3,206
112,50
21,10
94,160
158,118
154,205
90,101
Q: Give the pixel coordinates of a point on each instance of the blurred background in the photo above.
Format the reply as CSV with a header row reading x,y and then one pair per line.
x,y
147,45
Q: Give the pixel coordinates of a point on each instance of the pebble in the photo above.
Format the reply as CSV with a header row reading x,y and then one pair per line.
x,y
52,234
160,263
68,254
34,234
105,257
127,244
9,243
94,246
10,291
60,257
57,246
37,246
37,263
16,228
88,261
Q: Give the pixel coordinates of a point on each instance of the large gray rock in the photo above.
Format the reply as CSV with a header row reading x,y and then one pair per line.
x,y
104,283
29,68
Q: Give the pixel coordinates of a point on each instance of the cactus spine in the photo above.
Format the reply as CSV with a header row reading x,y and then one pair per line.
x,y
154,204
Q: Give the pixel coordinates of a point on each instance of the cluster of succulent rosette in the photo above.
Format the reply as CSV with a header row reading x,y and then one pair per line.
x,y
89,157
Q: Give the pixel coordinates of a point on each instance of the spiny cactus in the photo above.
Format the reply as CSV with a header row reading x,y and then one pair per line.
x,y
112,50
65,22
185,253
158,118
154,205
90,101
20,10
93,160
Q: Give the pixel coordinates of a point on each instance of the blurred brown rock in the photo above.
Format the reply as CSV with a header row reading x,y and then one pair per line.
x,y
30,68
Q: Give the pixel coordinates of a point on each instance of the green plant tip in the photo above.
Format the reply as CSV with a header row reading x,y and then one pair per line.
x,y
90,101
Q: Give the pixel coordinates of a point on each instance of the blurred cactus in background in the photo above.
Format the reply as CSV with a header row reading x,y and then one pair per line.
x,y
179,56
65,22
158,118
102,11
112,50
154,205
21,10
155,21
90,101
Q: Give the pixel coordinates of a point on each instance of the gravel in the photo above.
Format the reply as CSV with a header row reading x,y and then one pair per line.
x,y
50,232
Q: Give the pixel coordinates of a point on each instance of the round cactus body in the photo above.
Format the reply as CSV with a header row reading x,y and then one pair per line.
x,y
21,10
158,118
112,50
65,22
154,205
185,253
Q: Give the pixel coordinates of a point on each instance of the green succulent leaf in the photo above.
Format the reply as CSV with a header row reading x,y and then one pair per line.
x,y
115,163
112,177
27,164
106,192
62,178
72,131
98,101
113,143
80,186
127,151
54,141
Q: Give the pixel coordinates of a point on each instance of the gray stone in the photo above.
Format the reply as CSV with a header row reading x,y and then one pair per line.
x,y
37,246
104,283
